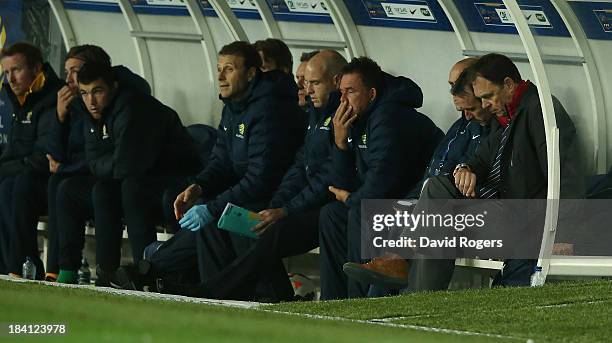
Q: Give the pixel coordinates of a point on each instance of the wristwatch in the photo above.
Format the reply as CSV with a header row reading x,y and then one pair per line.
x,y
460,166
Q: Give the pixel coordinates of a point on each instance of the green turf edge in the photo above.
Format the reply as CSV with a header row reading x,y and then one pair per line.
x,y
102,317
519,312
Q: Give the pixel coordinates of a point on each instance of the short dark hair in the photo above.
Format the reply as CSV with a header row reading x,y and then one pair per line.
x,y
91,72
275,50
244,50
463,84
495,68
32,54
306,56
89,53
368,70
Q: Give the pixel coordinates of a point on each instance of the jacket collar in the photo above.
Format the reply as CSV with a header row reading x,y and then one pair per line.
x,y
37,85
511,108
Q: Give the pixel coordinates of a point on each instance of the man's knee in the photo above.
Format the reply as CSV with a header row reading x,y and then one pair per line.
x,y
105,191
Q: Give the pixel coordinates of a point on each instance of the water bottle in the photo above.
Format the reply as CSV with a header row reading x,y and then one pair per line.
x,y
84,274
28,269
537,278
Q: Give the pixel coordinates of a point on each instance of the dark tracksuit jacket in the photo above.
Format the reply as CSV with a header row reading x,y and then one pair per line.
x,y
389,145
524,162
67,146
23,160
256,143
138,136
305,184
67,143
28,139
458,145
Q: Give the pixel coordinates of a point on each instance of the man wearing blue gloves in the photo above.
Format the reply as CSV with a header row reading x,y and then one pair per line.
x,y
260,130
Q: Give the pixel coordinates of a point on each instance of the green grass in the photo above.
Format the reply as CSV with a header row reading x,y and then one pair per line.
x,y
562,312
98,317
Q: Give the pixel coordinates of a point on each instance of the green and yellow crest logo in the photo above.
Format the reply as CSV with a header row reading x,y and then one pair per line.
x,y
29,116
327,121
241,128
364,139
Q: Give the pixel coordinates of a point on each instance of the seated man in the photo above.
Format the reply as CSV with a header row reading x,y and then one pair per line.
x,y
290,224
68,165
257,141
510,164
32,90
376,133
460,143
135,146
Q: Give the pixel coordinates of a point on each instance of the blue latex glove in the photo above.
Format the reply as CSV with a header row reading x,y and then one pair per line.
x,y
196,218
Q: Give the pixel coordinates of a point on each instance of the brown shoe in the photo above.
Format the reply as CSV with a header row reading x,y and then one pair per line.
x,y
383,271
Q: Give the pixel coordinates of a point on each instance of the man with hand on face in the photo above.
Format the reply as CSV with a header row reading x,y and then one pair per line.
x,y
67,161
391,271
31,88
134,146
257,141
376,133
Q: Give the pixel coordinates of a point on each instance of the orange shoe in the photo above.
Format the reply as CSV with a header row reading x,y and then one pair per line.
x,y
382,271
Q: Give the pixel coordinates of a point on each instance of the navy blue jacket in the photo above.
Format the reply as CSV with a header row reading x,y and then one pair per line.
x,y
305,184
138,136
389,145
67,143
256,143
28,138
459,145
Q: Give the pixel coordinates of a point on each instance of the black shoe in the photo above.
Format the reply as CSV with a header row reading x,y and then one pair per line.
x,y
190,290
105,278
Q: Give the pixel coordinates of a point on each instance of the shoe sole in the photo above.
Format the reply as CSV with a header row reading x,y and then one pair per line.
x,y
123,280
366,276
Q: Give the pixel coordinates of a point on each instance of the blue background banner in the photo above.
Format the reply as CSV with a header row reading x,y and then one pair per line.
x,y
492,16
595,18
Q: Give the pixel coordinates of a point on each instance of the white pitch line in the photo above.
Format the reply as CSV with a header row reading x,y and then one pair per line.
x,y
395,325
573,304
258,307
146,295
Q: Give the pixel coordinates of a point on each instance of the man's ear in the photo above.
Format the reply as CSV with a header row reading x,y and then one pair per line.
x,y
336,80
251,73
373,94
510,85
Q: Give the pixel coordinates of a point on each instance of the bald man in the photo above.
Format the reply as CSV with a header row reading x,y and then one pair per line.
x,y
290,224
459,144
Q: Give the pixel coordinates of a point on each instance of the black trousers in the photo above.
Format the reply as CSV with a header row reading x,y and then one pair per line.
x,y
177,259
6,213
436,274
56,181
340,241
233,267
137,200
24,199
74,207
